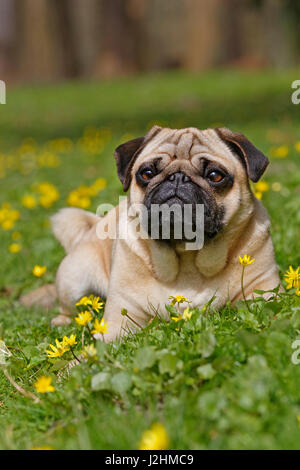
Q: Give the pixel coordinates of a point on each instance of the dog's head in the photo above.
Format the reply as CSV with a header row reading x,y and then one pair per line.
x,y
211,167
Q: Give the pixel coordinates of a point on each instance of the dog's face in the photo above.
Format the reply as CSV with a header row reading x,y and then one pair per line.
x,y
191,166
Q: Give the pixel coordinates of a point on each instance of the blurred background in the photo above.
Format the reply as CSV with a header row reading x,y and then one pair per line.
x,y
83,76
47,40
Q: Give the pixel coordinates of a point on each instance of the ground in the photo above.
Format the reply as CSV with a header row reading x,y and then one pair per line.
x,y
219,380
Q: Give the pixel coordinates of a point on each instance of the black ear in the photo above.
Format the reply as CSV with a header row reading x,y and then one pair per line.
x,y
123,155
255,161
127,153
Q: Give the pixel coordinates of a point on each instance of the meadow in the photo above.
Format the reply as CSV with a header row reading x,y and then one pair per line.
x,y
215,380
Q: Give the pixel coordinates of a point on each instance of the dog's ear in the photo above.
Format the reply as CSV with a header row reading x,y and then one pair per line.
x,y
124,154
127,153
254,160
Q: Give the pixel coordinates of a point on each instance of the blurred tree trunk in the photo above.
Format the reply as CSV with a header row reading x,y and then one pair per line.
x,y
276,40
232,14
164,30
113,57
203,33
123,37
136,18
85,30
46,40
7,33
40,50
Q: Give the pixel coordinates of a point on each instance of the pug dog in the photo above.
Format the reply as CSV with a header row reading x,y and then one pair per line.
x,y
210,168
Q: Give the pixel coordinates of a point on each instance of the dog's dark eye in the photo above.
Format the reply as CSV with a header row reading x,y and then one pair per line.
x,y
144,175
147,174
215,176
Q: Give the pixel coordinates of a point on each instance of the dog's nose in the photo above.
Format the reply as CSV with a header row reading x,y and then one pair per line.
x,y
179,178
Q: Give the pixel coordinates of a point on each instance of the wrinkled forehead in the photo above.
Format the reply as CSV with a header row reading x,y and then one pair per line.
x,y
188,144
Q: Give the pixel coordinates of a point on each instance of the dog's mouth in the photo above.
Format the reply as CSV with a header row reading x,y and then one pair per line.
x,y
181,213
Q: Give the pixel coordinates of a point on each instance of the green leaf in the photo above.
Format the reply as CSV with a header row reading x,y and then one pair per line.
x,y
59,364
121,382
206,343
101,381
224,362
295,320
206,372
145,357
273,307
169,364
277,345
172,310
31,351
248,338
101,348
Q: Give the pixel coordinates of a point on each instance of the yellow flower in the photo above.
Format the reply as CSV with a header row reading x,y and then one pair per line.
x,y
258,195
178,299
61,145
84,202
155,438
92,191
73,198
14,247
90,352
100,184
100,326
246,260
58,350
297,146
48,159
83,318
96,304
76,199
84,190
298,419
69,341
292,278
8,224
47,200
177,318
8,216
49,194
84,301
14,215
280,152
262,186
39,271
93,302
97,186
43,384
29,201
187,314
45,188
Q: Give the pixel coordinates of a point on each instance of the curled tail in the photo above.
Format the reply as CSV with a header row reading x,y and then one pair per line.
x,y
70,226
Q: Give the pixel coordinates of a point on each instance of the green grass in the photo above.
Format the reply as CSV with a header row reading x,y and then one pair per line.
x,y
248,393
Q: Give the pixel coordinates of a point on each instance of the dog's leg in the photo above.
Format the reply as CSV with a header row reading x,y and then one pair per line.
x,y
117,323
45,296
82,272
